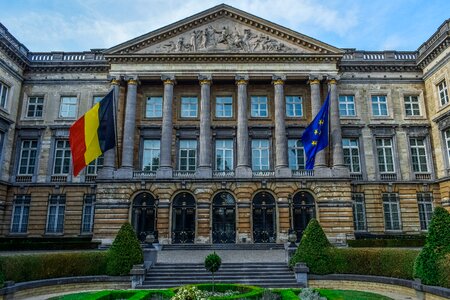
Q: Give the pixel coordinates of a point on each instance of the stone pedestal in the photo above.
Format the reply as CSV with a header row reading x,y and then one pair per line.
x,y
137,275
301,271
290,251
150,257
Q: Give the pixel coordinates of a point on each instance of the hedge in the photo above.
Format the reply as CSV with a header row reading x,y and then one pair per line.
x,y
383,242
444,271
54,243
21,268
247,291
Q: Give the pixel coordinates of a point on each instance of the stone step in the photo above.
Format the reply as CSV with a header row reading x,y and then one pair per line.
x,y
260,246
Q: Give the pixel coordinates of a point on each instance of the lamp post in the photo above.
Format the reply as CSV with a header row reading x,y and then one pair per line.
x,y
292,235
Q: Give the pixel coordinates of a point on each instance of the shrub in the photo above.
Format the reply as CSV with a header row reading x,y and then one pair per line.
x,y
444,271
436,247
314,250
125,252
391,242
310,294
189,292
245,291
212,264
21,268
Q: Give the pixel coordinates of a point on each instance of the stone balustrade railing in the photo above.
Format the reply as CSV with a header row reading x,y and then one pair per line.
x,y
65,56
356,55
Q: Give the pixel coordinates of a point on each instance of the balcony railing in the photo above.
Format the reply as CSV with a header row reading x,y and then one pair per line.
x,y
422,176
303,173
24,178
356,177
388,176
184,174
144,174
58,178
223,174
263,173
90,178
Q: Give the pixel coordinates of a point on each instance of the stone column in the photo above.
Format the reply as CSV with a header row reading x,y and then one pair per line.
x,y
109,158
281,151
315,108
204,169
165,169
129,128
243,169
335,127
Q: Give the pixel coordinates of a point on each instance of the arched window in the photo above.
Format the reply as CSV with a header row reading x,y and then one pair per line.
x,y
264,218
144,215
183,219
224,218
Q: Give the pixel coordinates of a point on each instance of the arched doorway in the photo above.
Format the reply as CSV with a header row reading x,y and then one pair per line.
x,y
144,215
224,218
264,218
304,210
183,219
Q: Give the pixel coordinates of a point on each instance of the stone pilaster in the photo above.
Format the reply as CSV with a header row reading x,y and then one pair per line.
x,y
281,154
129,128
335,127
243,169
315,108
204,169
165,170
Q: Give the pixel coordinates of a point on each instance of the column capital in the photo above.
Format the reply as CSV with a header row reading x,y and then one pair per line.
x,y
315,78
241,79
278,79
132,80
115,81
333,79
168,79
205,78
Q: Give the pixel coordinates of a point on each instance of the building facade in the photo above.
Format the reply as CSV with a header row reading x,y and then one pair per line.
x,y
210,111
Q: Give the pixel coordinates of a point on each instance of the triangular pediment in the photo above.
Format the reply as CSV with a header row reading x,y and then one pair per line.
x,y
223,29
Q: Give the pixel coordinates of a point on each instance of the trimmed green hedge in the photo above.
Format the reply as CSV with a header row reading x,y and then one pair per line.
x,y
119,294
444,271
21,268
382,242
54,243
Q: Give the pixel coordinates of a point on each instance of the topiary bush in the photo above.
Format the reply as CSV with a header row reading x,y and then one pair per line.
x,y
314,250
212,264
437,246
444,271
125,252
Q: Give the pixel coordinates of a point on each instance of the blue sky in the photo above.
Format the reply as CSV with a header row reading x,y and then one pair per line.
x,y
79,25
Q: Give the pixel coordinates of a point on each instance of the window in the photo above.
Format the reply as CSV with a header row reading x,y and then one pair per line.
x,y
391,209
94,166
447,142
97,99
61,163
294,106
260,155
87,219
153,108
224,155
224,107
68,107
385,155
27,160
296,155
359,212
35,107
351,154
412,107
55,216
442,91
188,155
418,155
379,106
150,156
20,213
189,107
425,202
347,105
4,89
259,106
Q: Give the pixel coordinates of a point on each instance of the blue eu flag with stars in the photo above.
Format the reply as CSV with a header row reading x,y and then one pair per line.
x,y
315,136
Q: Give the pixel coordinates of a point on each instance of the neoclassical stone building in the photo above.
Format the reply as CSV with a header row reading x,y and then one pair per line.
x,y
210,111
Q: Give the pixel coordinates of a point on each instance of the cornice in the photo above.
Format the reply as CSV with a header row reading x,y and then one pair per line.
x,y
435,45
72,68
12,53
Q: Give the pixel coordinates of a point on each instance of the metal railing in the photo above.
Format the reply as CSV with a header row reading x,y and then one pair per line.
x,y
223,174
263,173
303,173
144,174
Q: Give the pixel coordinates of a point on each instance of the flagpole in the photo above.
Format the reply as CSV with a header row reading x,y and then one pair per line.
x,y
329,128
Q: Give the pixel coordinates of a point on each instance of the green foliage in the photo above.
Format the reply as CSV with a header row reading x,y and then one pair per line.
x,y
189,292
53,243
21,268
444,271
213,262
437,246
314,250
382,242
125,252
118,294
341,295
246,291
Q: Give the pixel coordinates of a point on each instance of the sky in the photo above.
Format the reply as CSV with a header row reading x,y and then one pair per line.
x,y
81,25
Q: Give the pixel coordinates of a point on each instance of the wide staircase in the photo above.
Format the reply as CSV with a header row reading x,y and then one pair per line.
x,y
264,274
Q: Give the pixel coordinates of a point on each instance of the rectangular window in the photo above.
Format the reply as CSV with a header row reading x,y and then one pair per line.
x,y
35,107
20,213
391,207
296,155
379,106
359,212
224,107
351,154
94,166
419,155
294,106
188,155
55,216
347,105
68,108
27,160
224,155
447,143
260,155
259,106
4,89
87,219
443,92
412,107
189,107
385,155
97,99
150,155
425,202
61,163
153,108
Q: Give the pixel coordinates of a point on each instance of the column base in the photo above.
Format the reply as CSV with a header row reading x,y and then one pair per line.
x,y
243,172
203,172
283,172
320,171
124,173
340,171
106,173
164,173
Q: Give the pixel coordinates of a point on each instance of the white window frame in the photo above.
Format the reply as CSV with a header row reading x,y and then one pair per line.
x,y
296,153
4,93
38,101
30,166
447,144
349,147
65,157
260,150
257,108
94,166
69,107
384,149
87,218
347,107
21,203
409,105
425,205
151,149
224,150
222,103
189,107
391,207
359,212
442,92
415,149
187,151
377,103
154,107
296,105
58,201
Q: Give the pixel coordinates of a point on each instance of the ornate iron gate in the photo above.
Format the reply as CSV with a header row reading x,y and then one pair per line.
x,y
224,218
183,219
303,211
264,218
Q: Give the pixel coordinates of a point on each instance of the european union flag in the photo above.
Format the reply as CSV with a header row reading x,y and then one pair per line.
x,y
315,136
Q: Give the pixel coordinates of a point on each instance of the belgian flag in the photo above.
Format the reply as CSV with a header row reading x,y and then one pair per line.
x,y
93,134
